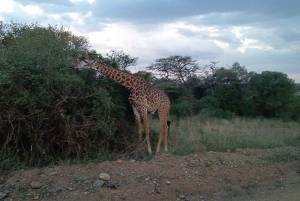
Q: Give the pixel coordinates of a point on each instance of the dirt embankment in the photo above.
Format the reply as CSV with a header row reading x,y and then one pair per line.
x,y
242,175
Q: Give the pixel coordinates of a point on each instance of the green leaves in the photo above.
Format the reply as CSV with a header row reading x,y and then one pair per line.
x,y
46,109
177,68
271,92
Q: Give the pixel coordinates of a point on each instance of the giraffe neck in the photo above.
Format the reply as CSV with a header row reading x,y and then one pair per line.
x,y
126,79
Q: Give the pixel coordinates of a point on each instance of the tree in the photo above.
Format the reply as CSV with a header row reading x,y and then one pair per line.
x,y
177,68
121,60
149,77
271,92
33,45
227,90
48,111
202,83
293,109
242,73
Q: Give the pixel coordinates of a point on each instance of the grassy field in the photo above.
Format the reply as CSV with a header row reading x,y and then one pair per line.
x,y
199,133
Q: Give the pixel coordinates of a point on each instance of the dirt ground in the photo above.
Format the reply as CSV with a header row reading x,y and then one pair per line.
x,y
242,175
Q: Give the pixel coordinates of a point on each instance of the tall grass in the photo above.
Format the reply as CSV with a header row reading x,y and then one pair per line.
x,y
201,133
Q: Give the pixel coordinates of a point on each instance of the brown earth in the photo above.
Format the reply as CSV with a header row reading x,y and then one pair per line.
x,y
242,175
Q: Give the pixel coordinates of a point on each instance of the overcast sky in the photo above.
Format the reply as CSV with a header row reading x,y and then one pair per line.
x,y
262,35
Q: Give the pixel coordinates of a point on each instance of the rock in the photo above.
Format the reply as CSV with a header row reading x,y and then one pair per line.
x,y
104,176
168,182
241,151
208,163
35,184
119,161
111,185
36,197
156,189
3,195
53,173
98,183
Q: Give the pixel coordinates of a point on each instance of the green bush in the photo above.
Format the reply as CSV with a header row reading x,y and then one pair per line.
x,y
181,109
292,109
218,113
49,112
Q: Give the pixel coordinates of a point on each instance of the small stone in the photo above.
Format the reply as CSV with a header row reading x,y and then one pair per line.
x,y
36,197
119,161
98,183
208,163
111,185
35,184
6,191
3,195
168,182
156,189
104,176
181,197
53,173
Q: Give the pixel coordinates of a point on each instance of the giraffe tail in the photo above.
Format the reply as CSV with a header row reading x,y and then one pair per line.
x,y
168,123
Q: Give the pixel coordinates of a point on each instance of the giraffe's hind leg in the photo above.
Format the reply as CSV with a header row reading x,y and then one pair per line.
x,y
146,128
163,131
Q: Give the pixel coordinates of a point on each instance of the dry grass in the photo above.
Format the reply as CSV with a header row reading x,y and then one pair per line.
x,y
199,133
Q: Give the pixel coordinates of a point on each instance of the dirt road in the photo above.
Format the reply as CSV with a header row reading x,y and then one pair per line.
x,y
243,175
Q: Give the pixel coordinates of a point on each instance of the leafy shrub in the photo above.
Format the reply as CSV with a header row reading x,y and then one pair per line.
x,y
218,113
292,109
48,111
181,109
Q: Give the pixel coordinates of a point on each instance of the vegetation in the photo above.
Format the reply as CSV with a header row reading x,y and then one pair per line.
x,y
202,133
50,113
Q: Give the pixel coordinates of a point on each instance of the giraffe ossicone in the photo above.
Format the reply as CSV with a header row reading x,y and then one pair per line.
x,y
143,97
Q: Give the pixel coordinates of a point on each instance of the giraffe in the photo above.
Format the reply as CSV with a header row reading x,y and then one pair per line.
x,y
143,98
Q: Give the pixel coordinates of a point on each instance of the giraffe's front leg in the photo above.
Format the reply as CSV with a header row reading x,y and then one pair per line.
x,y
142,111
146,128
138,122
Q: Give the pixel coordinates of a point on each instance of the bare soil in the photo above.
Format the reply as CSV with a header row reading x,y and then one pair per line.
x,y
242,175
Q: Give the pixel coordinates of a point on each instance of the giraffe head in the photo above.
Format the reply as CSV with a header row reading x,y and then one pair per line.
x,y
85,62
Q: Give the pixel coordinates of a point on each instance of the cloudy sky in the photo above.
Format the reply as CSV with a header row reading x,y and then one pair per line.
x,y
260,34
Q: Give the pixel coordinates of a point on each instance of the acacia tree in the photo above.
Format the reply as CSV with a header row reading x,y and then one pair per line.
x,y
177,68
121,60
205,79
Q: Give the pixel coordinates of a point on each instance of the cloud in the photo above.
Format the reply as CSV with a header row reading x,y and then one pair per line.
x,y
262,35
52,2
288,35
